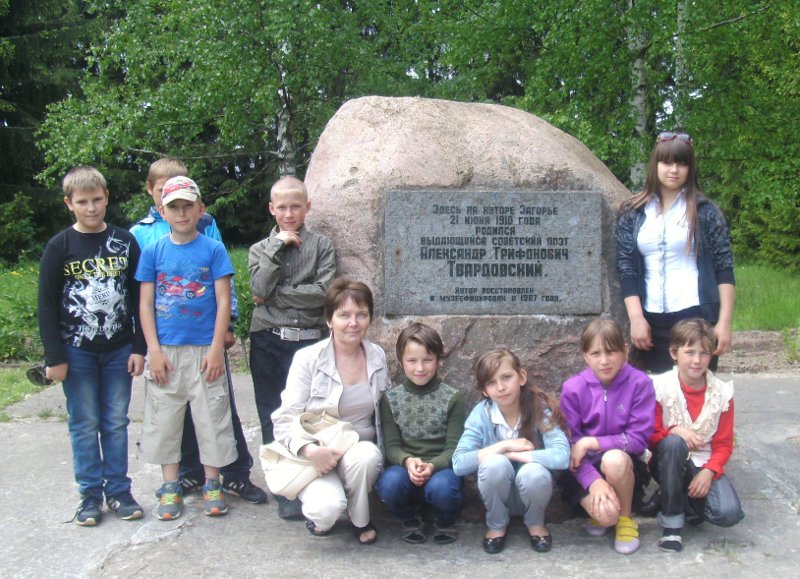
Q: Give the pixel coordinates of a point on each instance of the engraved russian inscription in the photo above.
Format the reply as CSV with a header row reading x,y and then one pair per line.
x,y
490,252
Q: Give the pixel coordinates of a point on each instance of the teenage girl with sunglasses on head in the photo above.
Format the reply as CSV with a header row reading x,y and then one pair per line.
x,y
674,256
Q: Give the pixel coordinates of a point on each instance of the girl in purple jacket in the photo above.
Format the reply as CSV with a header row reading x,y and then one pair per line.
x,y
609,409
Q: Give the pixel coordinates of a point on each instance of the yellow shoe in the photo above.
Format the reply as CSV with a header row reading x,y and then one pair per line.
x,y
627,539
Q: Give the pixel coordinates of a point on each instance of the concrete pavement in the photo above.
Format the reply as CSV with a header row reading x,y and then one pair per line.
x,y
251,541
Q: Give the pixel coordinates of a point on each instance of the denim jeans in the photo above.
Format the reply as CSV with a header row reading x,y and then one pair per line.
x,y
270,359
238,470
511,488
98,391
674,471
402,497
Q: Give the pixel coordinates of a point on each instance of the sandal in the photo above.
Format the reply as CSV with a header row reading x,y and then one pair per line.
x,y
444,535
365,529
312,528
413,531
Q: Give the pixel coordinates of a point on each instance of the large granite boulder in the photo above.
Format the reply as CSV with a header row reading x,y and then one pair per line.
x,y
374,144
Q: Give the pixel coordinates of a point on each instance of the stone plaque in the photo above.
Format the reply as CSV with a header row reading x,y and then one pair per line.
x,y
491,252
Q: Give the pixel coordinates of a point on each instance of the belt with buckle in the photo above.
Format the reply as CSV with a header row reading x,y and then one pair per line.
x,y
297,334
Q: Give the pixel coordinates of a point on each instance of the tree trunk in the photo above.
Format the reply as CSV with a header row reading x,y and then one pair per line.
x,y
638,48
681,69
287,149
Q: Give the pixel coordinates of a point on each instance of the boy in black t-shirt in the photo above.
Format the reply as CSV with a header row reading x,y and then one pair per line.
x,y
87,305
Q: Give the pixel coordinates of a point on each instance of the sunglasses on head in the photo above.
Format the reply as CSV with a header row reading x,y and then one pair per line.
x,y
670,136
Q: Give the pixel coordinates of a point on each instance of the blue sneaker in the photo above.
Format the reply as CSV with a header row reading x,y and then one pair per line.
x,y
90,511
171,502
125,506
213,499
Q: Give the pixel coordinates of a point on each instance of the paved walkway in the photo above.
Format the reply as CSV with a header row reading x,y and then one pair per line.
x,y
38,493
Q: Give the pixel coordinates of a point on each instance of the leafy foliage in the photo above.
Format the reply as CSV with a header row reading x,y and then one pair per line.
x,y
17,229
41,59
242,90
19,332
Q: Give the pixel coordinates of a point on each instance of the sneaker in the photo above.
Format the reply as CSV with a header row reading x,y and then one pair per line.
x,y
289,509
595,529
125,506
246,490
627,539
90,511
213,499
189,484
671,541
170,502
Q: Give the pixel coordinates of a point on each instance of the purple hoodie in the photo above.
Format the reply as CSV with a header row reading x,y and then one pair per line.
x,y
620,416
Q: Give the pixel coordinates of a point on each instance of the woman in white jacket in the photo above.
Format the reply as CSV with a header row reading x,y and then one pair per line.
x,y
345,376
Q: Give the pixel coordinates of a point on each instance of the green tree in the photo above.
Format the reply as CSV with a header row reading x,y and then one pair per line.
x,y
40,62
744,105
241,90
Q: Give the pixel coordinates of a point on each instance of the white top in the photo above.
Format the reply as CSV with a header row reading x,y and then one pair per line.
x,y
675,411
670,273
501,427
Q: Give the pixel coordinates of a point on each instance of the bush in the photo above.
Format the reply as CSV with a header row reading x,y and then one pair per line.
x,y
238,256
17,229
19,330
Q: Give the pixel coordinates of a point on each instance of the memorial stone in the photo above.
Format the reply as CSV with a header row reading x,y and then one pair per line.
x,y
492,252
435,204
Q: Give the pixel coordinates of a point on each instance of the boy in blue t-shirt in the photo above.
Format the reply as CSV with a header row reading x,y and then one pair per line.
x,y
185,310
235,476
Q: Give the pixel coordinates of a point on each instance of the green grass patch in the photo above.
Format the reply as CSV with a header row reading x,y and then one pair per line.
x,y
14,386
19,330
766,299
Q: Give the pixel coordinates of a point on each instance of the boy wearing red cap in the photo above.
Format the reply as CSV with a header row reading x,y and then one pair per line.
x,y
185,311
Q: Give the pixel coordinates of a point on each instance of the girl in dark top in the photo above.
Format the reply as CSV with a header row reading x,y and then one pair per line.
x,y
674,256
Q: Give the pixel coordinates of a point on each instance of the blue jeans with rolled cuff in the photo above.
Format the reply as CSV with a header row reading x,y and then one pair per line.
x,y
674,472
403,498
98,392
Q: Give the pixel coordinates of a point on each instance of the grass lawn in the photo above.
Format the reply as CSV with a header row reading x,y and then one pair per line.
x,y
766,299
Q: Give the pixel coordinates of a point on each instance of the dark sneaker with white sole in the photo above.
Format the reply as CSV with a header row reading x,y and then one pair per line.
x,y
90,511
125,506
245,490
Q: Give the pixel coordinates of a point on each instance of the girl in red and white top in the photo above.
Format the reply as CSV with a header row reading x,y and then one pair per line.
x,y
693,436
